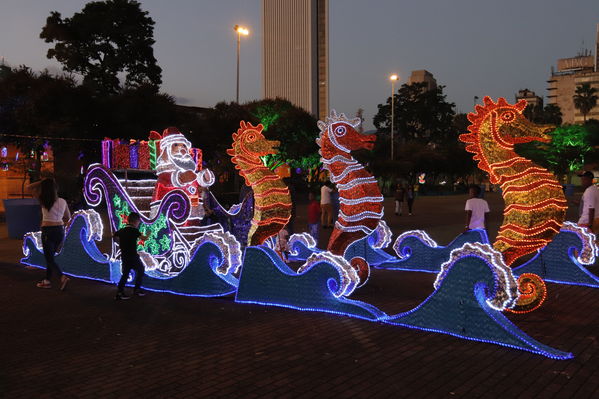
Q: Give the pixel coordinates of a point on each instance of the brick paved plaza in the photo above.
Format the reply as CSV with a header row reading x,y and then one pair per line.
x,y
83,344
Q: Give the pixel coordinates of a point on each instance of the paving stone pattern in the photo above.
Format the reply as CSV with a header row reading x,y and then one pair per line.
x,y
82,344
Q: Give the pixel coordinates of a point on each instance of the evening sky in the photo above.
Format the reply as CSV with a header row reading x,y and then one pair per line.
x,y
474,48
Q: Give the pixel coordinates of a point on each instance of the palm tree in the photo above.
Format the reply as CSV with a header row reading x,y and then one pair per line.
x,y
585,99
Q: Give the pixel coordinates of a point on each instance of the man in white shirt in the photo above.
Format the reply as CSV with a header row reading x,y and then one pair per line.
x,y
326,207
589,204
476,210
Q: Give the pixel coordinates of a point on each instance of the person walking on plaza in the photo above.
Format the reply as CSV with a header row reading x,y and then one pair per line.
x,y
130,259
326,207
476,210
313,216
410,198
55,212
589,203
400,195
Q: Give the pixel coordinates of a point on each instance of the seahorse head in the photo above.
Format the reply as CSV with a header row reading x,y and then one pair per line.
x,y
250,144
338,134
496,127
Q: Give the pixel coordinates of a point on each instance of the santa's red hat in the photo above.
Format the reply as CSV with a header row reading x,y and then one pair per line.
x,y
170,136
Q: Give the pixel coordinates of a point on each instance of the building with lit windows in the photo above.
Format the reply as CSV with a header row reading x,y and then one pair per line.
x,y
295,58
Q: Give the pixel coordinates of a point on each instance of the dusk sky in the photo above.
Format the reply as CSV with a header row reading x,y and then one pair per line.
x,y
474,48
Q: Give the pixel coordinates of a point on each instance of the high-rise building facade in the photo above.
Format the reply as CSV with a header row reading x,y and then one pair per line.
x,y
295,59
423,76
571,73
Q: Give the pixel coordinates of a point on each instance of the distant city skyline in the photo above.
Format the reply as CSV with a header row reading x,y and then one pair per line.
x,y
473,48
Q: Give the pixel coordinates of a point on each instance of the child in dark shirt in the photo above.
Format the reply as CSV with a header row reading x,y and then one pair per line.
x,y
130,260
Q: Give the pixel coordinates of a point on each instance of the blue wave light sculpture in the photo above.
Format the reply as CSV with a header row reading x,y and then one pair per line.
x,y
265,279
563,260
463,306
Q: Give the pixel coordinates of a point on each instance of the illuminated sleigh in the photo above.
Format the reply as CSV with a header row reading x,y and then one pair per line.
x,y
181,253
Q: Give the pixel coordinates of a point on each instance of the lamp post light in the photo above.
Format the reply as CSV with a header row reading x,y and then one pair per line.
x,y
392,78
240,30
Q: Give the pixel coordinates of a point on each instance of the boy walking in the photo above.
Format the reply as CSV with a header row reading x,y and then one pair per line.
x,y
130,260
476,210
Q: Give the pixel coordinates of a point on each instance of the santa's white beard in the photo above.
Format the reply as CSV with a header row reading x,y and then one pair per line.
x,y
184,162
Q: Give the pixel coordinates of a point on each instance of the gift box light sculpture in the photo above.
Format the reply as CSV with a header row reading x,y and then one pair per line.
x,y
535,205
272,202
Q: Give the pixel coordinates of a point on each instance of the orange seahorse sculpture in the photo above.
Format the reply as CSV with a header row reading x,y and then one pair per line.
x,y
361,202
535,205
272,202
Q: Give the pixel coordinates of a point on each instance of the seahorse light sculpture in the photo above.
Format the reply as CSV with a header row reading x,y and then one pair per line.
x,y
535,205
361,202
272,206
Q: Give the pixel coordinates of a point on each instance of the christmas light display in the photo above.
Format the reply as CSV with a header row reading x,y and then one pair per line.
x,y
272,203
535,205
472,286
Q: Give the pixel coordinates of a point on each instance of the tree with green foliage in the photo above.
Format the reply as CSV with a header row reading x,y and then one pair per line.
x,y
585,99
103,40
420,114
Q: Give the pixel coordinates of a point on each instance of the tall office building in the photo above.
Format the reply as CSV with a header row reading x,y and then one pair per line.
x,y
295,58
571,73
423,76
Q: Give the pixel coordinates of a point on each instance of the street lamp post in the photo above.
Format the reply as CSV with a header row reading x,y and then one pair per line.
x,y
240,30
393,78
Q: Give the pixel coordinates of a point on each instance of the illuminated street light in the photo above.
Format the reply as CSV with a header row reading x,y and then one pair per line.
x,y
392,78
240,31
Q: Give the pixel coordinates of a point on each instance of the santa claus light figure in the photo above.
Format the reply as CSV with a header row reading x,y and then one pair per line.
x,y
176,168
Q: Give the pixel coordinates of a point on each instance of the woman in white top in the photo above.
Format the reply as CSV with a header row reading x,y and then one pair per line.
x,y
55,212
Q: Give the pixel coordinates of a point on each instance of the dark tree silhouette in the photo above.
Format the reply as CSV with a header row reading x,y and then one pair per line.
x,y
420,114
104,39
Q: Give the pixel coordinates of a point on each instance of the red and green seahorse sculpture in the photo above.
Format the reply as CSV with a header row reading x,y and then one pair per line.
x,y
272,202
535,205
